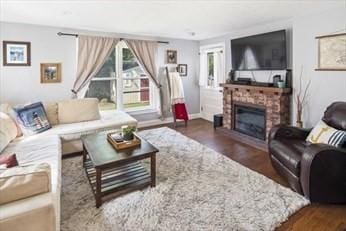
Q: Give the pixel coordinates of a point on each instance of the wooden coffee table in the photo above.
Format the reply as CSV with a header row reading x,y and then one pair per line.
x,y
116,172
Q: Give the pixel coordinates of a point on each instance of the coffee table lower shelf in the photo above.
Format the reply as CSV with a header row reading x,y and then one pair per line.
x,y
116,180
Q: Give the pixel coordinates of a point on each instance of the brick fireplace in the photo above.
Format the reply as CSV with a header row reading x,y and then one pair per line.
x,y
269,105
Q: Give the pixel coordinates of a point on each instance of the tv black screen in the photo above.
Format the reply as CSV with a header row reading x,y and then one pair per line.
x,y
260,52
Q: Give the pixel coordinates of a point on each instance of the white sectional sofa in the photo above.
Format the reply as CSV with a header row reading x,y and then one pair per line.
x,y
42,212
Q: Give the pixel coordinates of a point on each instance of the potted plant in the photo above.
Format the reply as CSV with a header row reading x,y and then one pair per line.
x,y
127,132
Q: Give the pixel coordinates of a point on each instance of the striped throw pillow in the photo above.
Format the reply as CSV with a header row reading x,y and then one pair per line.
x,y
322,133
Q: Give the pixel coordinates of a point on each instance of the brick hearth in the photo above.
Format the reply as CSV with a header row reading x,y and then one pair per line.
x,y
275,100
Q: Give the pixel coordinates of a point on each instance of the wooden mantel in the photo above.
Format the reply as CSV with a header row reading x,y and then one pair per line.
x,y
260,89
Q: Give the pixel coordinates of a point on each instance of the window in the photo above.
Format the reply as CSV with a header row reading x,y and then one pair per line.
x,y
121,83
104,85
212,64
135,83
211,74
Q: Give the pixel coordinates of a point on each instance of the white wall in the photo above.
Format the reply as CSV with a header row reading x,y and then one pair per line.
x,y
22,84
326,86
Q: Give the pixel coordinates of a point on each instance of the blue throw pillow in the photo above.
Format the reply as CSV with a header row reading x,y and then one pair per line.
x,y
33,118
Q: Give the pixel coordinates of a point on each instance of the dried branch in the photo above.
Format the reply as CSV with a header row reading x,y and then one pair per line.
x,y
301,97
305,92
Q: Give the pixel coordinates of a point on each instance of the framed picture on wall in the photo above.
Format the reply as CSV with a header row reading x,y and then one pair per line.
x,y
332,52
171,57
182,69
16,53
50,72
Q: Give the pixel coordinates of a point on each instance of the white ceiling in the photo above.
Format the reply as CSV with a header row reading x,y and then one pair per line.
x,y
161,18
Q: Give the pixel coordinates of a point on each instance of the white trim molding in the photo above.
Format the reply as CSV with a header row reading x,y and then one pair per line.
x,y
148,123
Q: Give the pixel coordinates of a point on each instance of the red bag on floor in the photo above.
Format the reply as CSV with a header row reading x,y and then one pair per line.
x,y
180,111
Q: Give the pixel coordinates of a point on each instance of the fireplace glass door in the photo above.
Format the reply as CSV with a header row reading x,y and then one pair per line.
x,y
250,121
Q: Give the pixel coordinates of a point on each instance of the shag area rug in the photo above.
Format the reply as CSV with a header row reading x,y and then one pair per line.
x,y
197,189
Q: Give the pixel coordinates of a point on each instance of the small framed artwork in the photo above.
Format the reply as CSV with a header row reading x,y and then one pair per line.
x,y
332,52
50,72
16,53
171,57
182,69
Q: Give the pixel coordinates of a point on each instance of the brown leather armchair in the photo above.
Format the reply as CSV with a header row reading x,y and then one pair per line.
x,y
317,171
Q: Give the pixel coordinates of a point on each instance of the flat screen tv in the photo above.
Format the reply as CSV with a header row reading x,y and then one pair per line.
x,y
260,52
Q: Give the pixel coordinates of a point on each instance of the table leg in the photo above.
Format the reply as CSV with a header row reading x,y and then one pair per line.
x,y
84,155
98,188
153,170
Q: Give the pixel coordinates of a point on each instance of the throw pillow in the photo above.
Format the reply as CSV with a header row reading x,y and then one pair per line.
x,y
322,133
8,109
22,182
51,109
8,130
9,160
78,110
33,118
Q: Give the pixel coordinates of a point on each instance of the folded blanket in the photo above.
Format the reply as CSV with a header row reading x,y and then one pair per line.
x,y
180,111
177,90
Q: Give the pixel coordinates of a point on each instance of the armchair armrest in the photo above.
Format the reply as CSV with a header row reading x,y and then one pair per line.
x,y
288,132
323,173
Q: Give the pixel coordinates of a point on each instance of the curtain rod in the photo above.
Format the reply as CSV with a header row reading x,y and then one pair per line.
x,y
76,35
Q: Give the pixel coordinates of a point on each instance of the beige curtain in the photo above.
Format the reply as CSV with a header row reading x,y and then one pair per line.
x,y
145,52
92,53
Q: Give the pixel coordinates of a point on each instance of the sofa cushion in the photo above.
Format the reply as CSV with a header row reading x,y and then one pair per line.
x,y
8,109
110,120
78,110
288,152
32,118
22,182
35,213
52,112
8,130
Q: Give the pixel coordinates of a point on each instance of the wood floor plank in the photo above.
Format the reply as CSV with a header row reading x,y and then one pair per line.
x,y
313,217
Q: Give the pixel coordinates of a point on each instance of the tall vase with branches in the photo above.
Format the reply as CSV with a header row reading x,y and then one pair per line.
x,y
301,99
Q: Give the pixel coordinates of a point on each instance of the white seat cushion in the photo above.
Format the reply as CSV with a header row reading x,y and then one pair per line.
x,y
35,213
22,182
110,120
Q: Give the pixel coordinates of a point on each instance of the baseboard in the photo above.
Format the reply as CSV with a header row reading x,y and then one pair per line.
x,y
148,123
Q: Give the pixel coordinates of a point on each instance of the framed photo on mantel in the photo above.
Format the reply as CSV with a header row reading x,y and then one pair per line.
x,y
16,53
332,52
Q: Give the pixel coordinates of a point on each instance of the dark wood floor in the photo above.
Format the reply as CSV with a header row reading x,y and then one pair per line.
x,y
313,217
